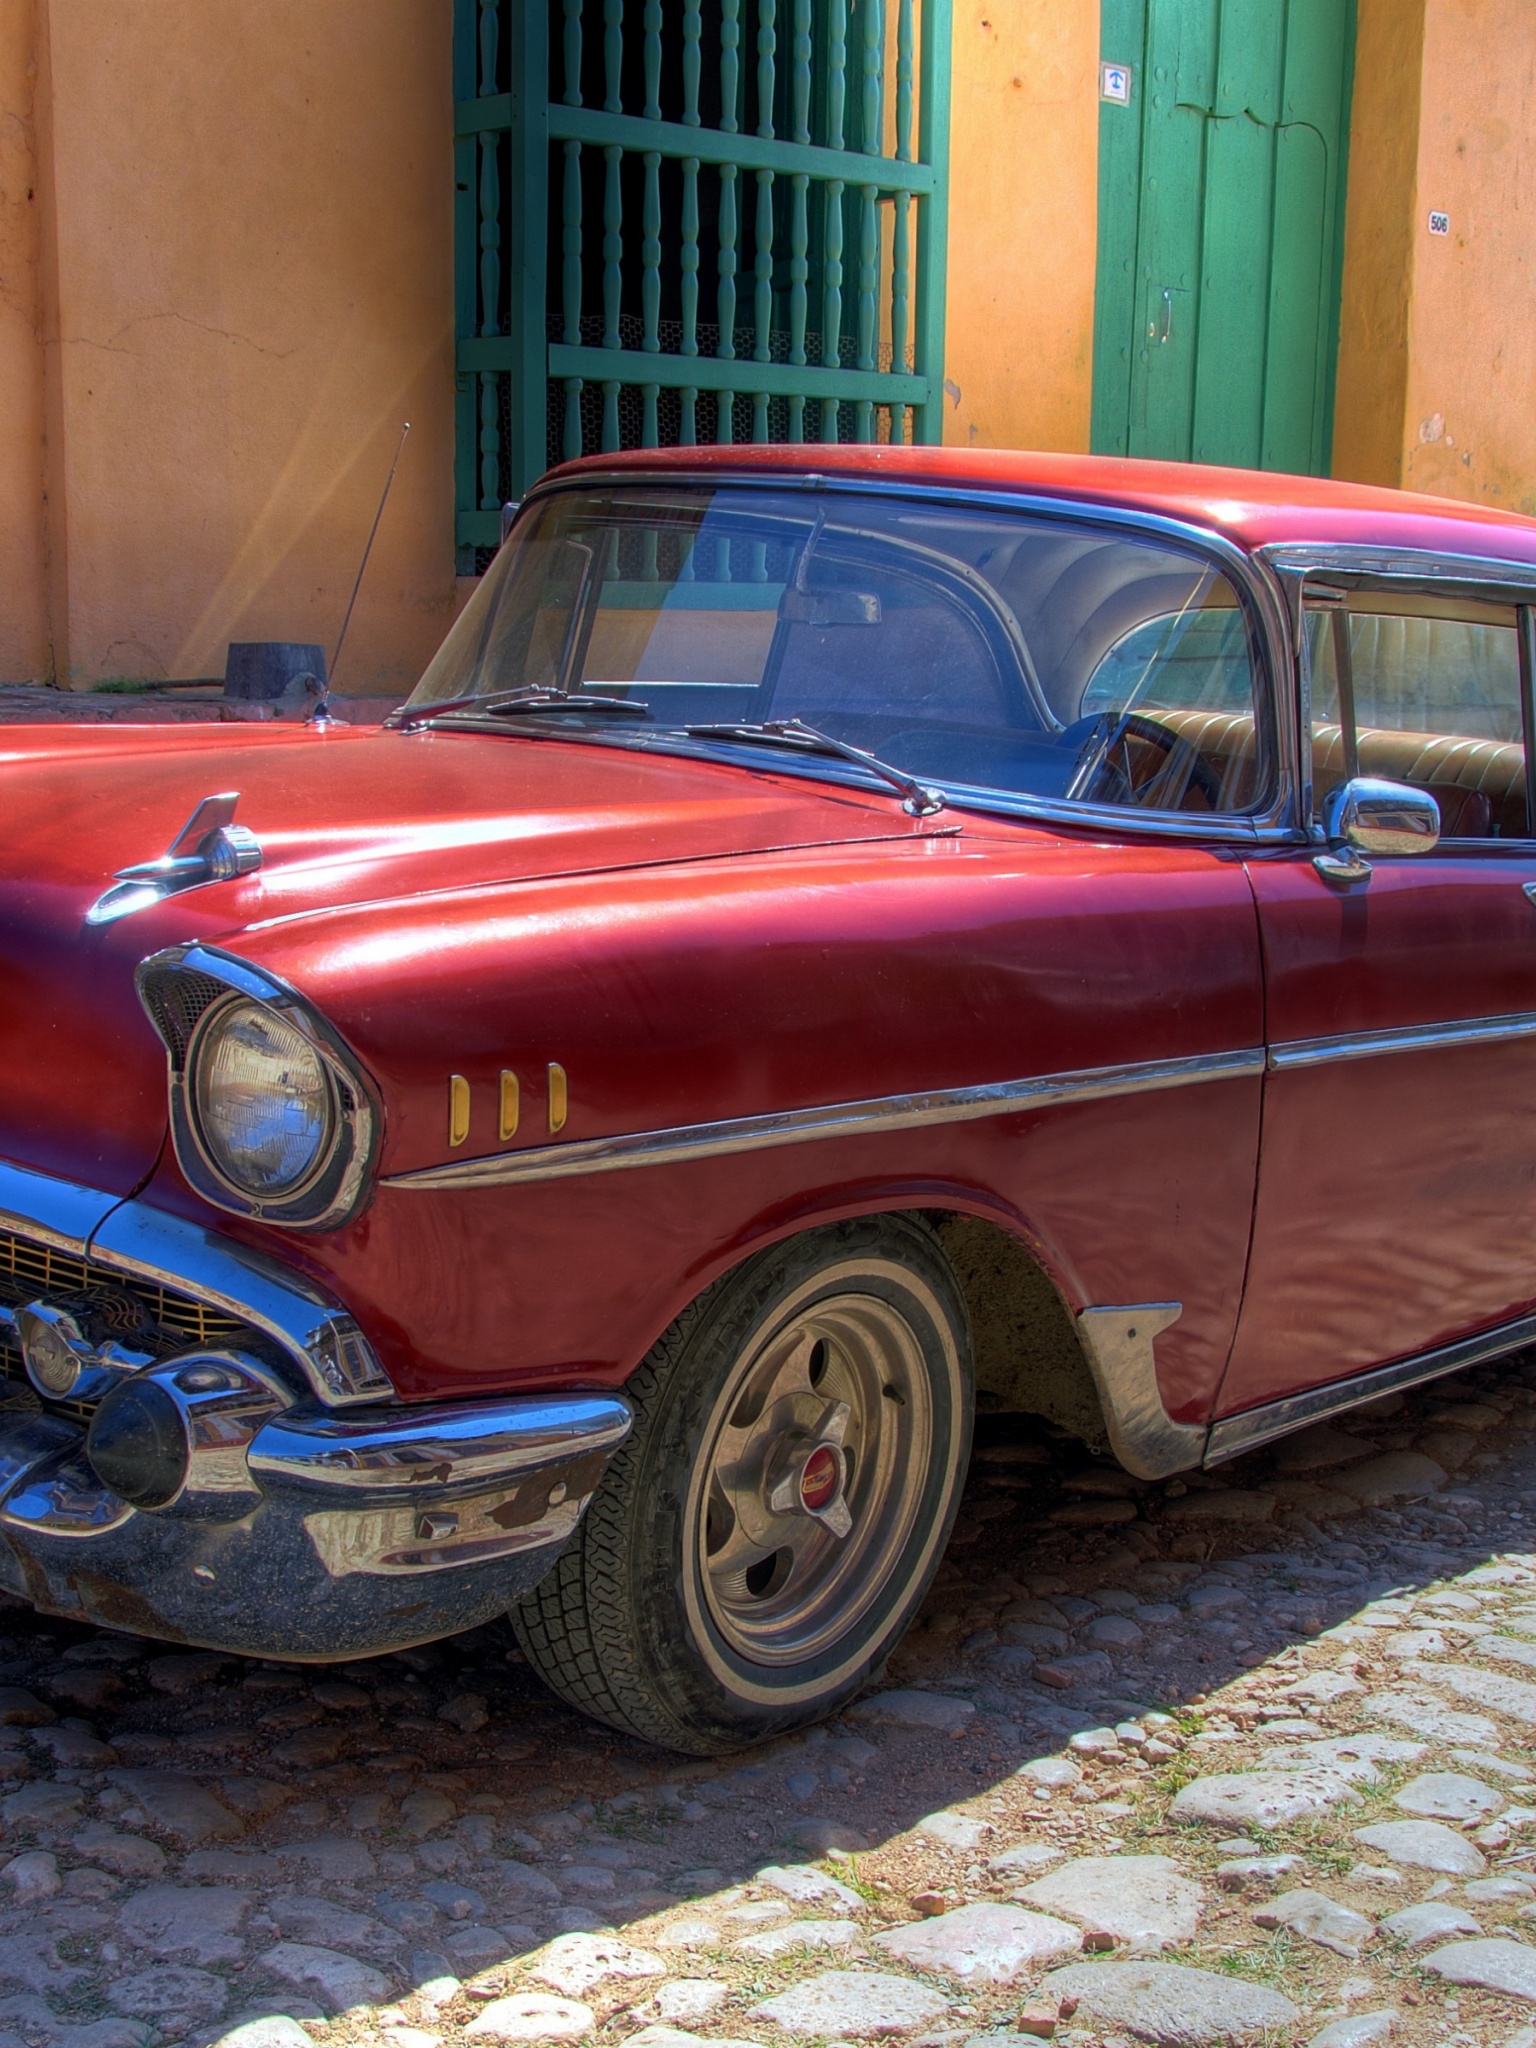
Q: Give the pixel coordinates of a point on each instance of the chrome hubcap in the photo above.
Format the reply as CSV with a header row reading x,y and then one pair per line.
x,y
815,1457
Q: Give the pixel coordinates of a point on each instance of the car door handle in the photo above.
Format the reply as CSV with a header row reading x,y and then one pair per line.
x,y
1528,891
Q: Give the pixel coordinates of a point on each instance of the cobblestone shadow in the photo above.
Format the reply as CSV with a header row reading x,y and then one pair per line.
x,y
1141,1722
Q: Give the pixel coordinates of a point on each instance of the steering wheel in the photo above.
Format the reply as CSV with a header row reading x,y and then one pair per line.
x,y
1112,781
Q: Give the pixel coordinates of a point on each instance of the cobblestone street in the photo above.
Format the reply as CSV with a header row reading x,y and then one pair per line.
x,y
1233,1759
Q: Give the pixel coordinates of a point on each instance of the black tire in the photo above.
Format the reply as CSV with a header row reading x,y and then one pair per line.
x,y
651,1620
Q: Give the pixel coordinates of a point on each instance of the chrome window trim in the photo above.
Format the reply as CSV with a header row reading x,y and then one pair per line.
x,y
1365,1045
1294,562
1397,565
1278,824
685,1142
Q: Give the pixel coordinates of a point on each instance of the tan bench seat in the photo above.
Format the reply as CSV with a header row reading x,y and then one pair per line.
x,y
1478,784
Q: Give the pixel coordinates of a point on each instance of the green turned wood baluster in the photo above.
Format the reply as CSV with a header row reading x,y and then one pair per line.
x,y
799,189
693,63
490,293
613,212
871,122
490,265
725,297
933,216
762,298
688,431
572,9
832,235
901,225
767,65
689,260
466,289
613,55
570,222
650,247
652,24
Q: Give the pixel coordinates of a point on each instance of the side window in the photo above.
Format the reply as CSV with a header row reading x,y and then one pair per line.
x,y
1169,706
1423,690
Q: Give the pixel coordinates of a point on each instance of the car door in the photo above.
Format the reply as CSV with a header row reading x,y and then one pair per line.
x,y
1396,1206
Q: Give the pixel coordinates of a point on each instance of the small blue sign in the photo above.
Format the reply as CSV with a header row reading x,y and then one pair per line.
x,y
1115,83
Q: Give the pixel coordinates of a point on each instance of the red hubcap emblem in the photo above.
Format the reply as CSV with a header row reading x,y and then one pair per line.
x,y
820,1479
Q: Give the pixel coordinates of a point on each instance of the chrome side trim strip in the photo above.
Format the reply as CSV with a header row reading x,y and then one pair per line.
x,y
1235,1434
1365,1045
830,1120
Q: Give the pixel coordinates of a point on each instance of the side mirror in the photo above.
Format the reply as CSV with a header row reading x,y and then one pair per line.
x,y
1381,817
1366,816
509,512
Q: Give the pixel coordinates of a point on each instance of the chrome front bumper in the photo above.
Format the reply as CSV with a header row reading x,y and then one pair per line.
x,y
334,1521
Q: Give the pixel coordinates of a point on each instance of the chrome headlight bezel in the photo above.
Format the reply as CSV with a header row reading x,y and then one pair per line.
x,y
186,990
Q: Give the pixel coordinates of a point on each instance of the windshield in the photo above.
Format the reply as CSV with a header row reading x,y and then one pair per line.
x,y
981,650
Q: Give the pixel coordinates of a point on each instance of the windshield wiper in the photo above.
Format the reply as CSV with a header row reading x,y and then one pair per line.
x,y
919,800
519,704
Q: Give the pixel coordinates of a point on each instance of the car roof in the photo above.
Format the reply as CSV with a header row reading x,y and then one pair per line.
x,y
1253,508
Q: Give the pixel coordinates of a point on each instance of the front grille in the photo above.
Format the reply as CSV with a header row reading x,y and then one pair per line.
x,y
153,1316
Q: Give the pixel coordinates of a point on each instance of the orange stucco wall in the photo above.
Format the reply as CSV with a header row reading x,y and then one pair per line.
x,y
246,287
1470,412
1437,361
1381,212
24,648
1023,215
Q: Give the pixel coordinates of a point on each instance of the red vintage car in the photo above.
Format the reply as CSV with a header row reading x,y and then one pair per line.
x,y
834,930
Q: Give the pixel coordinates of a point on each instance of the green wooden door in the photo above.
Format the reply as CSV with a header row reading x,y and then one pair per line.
x,y
1220,208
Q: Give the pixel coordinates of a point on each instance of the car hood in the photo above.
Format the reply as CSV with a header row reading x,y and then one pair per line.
x,y
345,816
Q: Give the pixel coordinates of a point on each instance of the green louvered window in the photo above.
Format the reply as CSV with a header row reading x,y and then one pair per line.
x,y
682,221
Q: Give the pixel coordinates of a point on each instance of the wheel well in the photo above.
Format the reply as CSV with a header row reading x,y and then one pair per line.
x,y
1028,1357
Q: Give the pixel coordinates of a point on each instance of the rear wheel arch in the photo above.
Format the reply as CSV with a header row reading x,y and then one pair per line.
x,y
1029,1358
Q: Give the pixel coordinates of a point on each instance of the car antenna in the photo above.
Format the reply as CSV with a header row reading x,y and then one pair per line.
x,y
322,711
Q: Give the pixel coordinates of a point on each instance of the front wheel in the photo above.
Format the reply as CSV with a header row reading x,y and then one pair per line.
x,y
760,1542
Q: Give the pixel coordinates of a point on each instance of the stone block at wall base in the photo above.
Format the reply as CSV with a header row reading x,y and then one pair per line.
x,y
39,704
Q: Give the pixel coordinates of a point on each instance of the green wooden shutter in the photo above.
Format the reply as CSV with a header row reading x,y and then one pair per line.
x,y
710,220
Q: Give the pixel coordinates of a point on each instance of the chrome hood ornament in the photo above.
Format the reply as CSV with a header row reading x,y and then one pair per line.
x,y
210,847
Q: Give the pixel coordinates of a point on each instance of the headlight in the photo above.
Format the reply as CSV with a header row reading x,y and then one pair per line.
x,y
264,1100
272,1113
